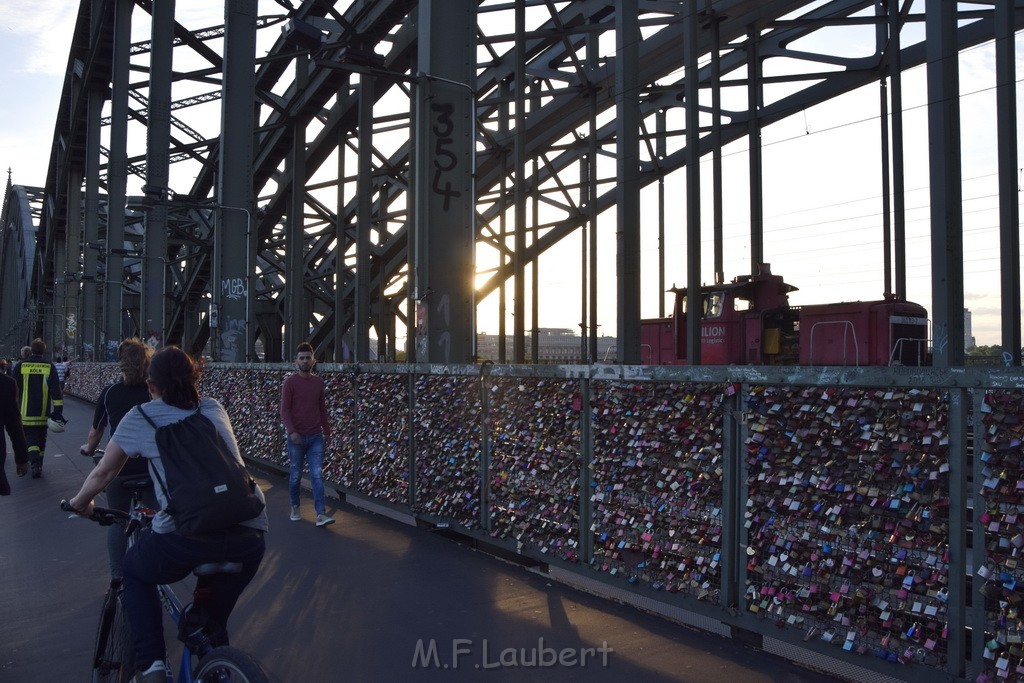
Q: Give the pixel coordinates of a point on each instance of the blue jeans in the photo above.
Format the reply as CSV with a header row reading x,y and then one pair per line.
x,y
312,451
168,558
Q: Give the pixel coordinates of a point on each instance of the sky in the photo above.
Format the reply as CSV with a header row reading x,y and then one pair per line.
x,y
822,186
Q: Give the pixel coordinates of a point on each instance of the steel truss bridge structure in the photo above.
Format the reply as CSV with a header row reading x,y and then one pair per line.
x,y
326,170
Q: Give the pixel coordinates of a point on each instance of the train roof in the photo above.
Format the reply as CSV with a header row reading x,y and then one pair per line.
x,y
747,286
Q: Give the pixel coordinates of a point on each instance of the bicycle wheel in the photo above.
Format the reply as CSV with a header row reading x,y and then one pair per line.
x,y
114,658
223,664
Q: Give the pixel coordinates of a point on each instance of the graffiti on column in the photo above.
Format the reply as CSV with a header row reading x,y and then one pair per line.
x,y
233,287
421,330
445,161
72,326
444,339
232,335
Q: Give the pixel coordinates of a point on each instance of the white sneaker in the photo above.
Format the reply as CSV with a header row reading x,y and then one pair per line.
x,y
156,673
295,516
324,520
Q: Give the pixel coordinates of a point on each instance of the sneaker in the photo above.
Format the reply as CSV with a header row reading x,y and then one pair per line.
x,y
324,520
156,673
36,462
295,516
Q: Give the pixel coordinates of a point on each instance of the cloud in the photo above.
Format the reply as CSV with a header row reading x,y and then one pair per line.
x,y
41,31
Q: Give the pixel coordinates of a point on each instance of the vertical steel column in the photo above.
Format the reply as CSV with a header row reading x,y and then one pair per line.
x,y
627,190
883,47
340,244
695,303
117,176
89,326
503,130
339,252
364,218
588,173
754,145
519,192
296,321
946,190
54,333
592,151
660,150
72,251
444,235
158,144
235,245
1009,213
716,146
535,266
898,180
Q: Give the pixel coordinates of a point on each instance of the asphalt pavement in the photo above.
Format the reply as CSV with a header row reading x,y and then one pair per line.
x,y
366,599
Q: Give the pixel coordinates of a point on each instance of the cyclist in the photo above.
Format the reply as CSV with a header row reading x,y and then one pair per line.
x,y
113,404
40,398
162,555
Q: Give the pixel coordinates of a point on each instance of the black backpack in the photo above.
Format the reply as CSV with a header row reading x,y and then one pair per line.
x,y
207,489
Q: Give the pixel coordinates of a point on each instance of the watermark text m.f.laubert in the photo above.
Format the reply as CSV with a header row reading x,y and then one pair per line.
x,y
466,652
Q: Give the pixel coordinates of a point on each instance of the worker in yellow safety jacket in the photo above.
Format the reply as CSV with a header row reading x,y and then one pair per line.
x,y
40,400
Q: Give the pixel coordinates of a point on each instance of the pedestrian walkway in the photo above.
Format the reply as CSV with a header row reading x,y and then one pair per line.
x,y
366,599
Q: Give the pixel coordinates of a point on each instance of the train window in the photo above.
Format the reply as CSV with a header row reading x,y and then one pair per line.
x,y
713,305
739,304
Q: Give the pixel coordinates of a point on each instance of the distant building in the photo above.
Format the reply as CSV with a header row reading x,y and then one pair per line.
x,y
554,345
968,331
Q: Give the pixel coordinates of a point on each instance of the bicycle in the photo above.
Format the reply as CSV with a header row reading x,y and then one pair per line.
x,y
113,654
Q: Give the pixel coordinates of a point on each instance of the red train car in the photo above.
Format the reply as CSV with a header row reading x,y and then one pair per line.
x,y
749,321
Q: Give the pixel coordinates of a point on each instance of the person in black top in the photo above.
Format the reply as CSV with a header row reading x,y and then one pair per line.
x,y
40,399
113,404
10,418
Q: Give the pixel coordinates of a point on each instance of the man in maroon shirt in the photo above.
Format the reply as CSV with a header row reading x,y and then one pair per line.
x,y
304,413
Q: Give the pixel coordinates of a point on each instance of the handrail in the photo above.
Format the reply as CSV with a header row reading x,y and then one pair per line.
x,y
849,327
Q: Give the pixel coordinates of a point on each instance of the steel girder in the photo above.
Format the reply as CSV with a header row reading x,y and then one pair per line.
x,y
22,208
569,85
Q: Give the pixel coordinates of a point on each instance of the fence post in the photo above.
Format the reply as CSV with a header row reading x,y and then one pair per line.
x,y
586,541
969,608
411,416
734,492
956,609
485,447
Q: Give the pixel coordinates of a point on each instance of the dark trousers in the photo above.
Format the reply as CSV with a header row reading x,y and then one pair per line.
x,y
35,438
167,558
120,499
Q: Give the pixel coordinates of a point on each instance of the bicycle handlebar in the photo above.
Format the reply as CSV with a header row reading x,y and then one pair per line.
x,y
102,516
